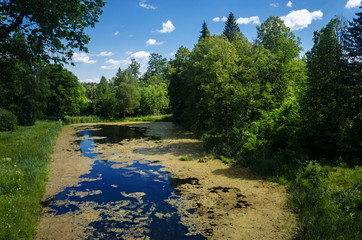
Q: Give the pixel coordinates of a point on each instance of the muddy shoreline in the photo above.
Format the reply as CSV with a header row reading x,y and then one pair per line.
x,y
226,202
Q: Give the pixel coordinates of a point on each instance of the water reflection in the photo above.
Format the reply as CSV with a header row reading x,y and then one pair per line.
x,y
127,200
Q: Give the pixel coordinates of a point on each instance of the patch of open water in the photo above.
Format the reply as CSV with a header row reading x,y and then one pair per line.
x,y
130,199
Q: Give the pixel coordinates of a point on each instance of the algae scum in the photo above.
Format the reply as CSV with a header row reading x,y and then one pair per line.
x,y
124,200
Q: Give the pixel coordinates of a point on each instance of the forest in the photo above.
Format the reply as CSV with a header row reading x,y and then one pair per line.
x,y
294,118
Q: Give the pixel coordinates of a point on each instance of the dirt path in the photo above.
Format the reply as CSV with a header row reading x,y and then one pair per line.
x,y
228,202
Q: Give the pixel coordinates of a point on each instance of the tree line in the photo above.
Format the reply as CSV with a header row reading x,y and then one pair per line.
x,y
263,104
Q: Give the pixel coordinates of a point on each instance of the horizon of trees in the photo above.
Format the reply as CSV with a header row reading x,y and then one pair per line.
x,y
246,99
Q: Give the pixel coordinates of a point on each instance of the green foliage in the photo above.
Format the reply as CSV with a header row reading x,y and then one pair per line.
x,y
82,119
231,27
184,158
330,102
328,202
205,32
66,92
59,31
226,160
24,155
8,121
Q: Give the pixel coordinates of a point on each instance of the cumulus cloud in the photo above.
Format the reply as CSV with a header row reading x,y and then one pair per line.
x,y
82,58
151,42
141,57
114,64
353,3
274,5
105,54
167,27
289,4
116,33
254,20
147,6
217,19
300,19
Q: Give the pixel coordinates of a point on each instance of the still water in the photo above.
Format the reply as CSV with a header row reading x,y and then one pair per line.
x,y
131,199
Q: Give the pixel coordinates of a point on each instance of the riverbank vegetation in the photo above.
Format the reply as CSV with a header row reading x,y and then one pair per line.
x,y
24,157
260,104
295,119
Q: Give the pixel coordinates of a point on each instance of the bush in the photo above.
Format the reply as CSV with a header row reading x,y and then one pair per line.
x,y
8,121
328,202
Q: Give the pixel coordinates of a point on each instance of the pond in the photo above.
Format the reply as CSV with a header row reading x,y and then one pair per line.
x,y
127,199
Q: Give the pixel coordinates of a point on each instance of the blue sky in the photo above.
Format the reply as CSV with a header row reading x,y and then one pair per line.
x,y
135,28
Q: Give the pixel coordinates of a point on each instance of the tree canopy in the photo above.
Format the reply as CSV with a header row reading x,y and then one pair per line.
x,y
51,28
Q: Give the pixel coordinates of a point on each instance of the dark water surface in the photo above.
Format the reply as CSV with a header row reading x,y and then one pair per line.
x,y
131,198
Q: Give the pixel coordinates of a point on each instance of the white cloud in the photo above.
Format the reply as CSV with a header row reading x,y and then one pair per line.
x,y
105,54
128,52
172,54
131,36
90,80
353,3
274,5
167,27
147,6
114,64
116,33
82,58
254,20
151,42
217,19
289,4
300,19
141,57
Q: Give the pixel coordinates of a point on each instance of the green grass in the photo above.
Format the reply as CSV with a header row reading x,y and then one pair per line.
x,y
184,158
24,156
95,119
83,119
328,201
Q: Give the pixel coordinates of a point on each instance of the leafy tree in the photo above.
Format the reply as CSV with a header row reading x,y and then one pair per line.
x,y
52,35
330,109
157,65
135,68
66,92
105,103
178,88
205,32
231,27
279,64
126,92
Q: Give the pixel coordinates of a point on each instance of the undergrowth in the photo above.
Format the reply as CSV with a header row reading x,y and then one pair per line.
x,y
24,156
96,119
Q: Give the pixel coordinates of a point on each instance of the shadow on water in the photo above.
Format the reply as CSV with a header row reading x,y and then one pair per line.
x,y
129,199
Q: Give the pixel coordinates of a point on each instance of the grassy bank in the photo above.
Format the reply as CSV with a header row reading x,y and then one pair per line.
x,y
328,201
24,156
95,119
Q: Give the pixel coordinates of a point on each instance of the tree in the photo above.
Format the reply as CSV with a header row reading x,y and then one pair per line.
x,y
135,68
178,88
231,27
51,28
66,92
204,32
157,65
330,105
279,63
105,103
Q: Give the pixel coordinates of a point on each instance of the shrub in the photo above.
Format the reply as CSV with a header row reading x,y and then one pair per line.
x,y
8,121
